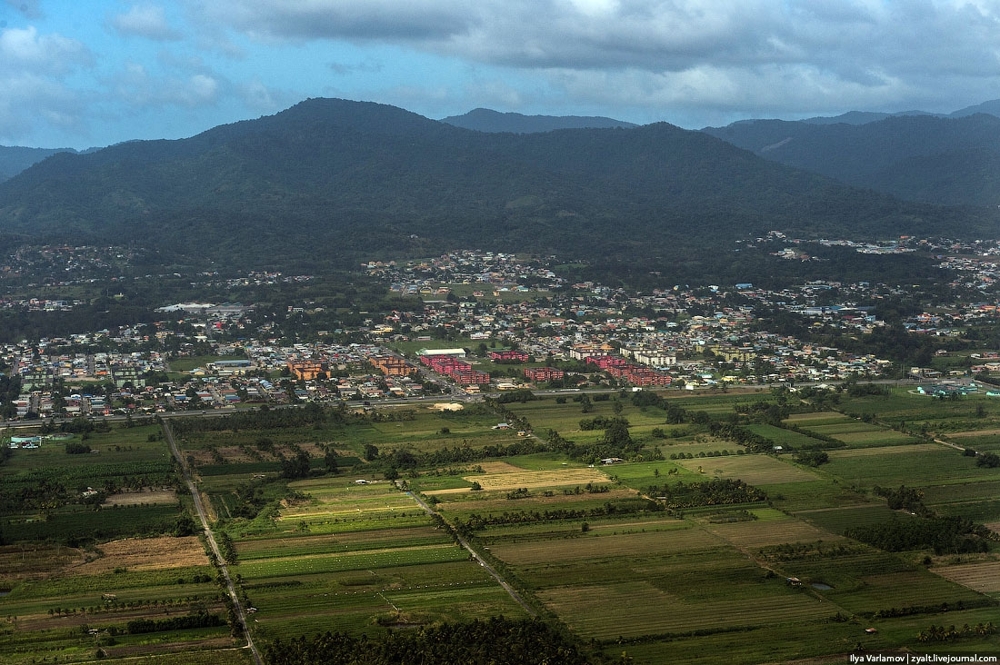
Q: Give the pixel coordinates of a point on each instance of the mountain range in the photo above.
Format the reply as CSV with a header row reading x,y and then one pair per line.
x,y
333,180
947,161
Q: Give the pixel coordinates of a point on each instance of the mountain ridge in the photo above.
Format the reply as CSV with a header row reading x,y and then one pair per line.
x,y
329,179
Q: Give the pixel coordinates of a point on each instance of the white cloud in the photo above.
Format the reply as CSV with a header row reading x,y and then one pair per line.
x,y
24,50
845,52
138,88
147,21
33,73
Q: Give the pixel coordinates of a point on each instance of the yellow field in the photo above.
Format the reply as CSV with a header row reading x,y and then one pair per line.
x,y
535,479
751,469
492,502
138,498
982,577
142,554
915,449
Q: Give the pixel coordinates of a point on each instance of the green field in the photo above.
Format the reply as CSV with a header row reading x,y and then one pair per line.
x,y
760,578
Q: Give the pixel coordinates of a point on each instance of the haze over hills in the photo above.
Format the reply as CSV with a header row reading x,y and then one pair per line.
x,y
949,161
334,179
14,159
486,120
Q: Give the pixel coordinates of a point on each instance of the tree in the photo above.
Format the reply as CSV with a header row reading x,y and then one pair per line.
x,y
617,434
297,467
988,460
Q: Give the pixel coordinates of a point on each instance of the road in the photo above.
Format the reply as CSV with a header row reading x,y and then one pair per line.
x,y
203,516
475,557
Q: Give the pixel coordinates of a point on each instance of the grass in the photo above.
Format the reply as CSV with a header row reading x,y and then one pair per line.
x,y
705,586
916,465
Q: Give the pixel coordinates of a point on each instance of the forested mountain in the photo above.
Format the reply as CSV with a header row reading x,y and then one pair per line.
x,y
486,120
948,161
14,159
337,180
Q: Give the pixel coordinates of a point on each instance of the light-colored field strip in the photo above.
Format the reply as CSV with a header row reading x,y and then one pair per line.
x,y
751,469
887,450
831,418
623,545
144,554
982,577
139,498
534,479
974,432
776,532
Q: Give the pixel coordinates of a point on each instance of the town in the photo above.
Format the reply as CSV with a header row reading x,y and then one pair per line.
x,y
482,322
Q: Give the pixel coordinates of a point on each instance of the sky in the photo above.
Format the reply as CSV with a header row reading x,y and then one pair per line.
x,y
82,73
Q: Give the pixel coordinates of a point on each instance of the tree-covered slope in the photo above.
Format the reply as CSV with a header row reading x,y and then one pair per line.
x,y
14,159
336,179
487,120
947,161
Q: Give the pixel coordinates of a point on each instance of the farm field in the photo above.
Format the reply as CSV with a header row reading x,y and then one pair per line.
x,y
61,594
981,576
687,549
357,556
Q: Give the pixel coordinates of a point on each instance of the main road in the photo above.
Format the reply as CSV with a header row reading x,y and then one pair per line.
x,y
475,556
203,516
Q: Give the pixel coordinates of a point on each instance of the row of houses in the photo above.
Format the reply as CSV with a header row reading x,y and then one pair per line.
x,y
459,371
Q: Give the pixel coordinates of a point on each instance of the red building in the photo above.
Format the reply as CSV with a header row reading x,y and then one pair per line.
x,y
542,374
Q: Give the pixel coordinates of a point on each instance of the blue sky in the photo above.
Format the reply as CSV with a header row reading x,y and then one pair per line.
x,y
80,73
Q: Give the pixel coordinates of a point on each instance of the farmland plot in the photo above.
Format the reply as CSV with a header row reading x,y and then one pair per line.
x,y
354,555
596,611
770,532
983,576
751,469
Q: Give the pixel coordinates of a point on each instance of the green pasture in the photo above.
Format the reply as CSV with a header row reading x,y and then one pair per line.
x,y
813,419
784,437
914,466
716,403
859,434
815,494
838,520
793,641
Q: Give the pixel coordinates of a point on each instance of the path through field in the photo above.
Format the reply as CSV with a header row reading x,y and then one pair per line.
x,y
199,506
486,566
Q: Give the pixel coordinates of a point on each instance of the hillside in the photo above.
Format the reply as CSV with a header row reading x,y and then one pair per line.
x,y
14,159
947,161
335,180
486,120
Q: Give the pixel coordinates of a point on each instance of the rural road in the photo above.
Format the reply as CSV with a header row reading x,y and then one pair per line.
x,y
475,557
186,472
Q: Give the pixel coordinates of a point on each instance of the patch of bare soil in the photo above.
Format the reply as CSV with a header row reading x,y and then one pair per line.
x,y
141,554
138,498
